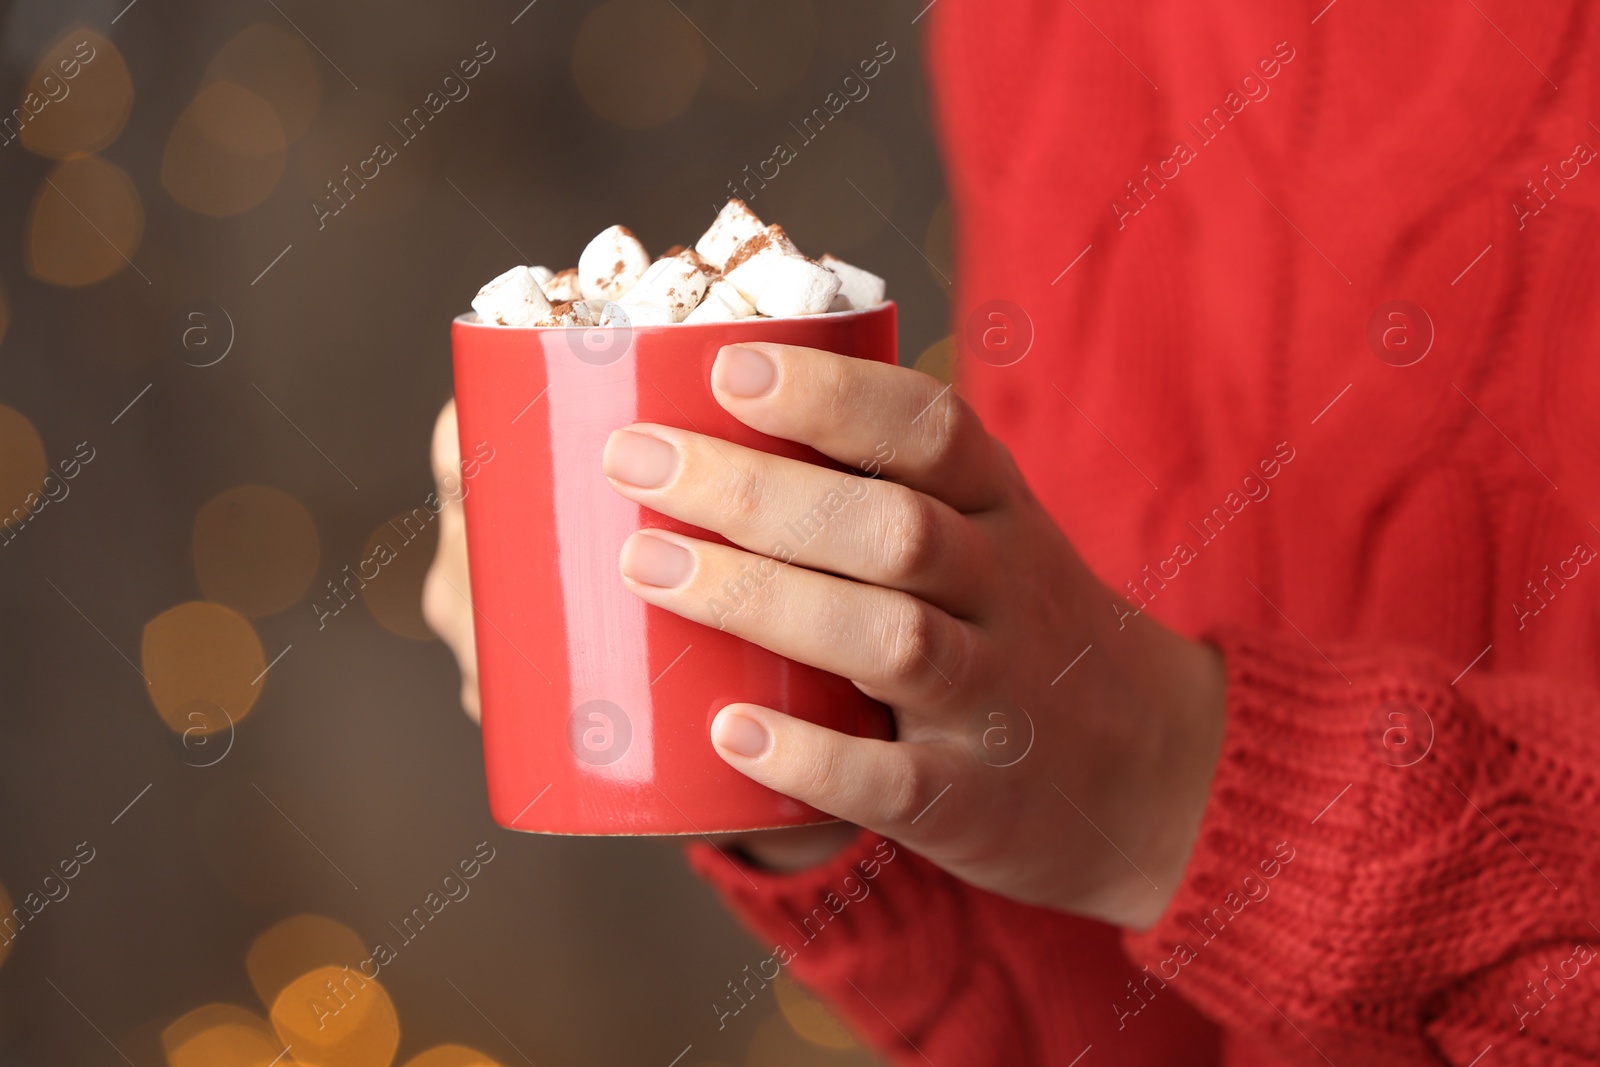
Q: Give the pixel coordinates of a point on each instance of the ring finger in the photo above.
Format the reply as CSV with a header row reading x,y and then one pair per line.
x,y
897,648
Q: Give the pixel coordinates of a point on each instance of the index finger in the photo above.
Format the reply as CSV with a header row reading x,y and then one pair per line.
x,y
870,415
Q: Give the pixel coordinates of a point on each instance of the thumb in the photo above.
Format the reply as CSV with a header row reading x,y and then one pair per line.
x,y
885,786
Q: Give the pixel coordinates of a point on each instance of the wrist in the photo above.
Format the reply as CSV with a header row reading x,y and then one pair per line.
x,y
1176,691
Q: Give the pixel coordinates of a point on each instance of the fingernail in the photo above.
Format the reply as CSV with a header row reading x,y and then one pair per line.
x,y
739,734
656,561
743,371
639,459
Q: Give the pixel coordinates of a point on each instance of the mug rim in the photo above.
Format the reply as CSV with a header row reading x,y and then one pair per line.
x,y
470,318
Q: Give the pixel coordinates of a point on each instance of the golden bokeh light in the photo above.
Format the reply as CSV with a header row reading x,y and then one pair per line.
x,y
274,64
395,596
85,224
637,63
939,359
809,1017
337,1018
77,100
255,549
22,463
200,651
226,152
295,946
452,1056
220,1035
771,44
775,1044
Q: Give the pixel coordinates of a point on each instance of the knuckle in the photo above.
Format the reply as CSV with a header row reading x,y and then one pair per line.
x,y
837,387
905,791
743,502
949,423
831,772
911,542
908,643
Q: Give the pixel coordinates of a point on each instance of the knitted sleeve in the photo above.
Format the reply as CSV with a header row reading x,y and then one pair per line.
x,y
1393,867
928,969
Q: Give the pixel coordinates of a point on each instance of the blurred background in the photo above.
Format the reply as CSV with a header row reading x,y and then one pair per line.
x,y
218,394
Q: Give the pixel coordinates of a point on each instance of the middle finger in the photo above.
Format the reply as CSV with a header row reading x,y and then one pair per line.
x,y
862,528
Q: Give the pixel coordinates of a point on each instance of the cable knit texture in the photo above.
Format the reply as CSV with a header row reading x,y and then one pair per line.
x,y
1386,525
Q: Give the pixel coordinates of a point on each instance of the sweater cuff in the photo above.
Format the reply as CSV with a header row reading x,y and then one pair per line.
x,y
1311,780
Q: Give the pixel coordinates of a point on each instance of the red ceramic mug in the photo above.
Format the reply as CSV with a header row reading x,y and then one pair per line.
x,y
597,706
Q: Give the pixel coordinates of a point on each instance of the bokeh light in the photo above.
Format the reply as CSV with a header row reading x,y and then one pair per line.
x,y
772,44
275,65
637,63
299,944
85,224
809,1017
220,1035
452,1056
395,596
83,113
226,152
201,651
775,1044
255,549
22,461
337,1018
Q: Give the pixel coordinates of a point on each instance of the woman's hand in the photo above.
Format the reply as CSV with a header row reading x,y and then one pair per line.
x,y
943,589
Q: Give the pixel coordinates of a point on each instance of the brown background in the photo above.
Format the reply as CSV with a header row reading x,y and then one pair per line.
x,y
580,951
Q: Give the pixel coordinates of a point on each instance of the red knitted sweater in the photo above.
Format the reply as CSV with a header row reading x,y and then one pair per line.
x,y
1400,856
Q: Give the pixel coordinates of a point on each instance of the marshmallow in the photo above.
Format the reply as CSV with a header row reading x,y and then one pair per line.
x,y
734,225
857,288
769,272
722,303
704,265
512,299
563,285
615,314
709,269
767,238
676,284
611,264
573,313
542,275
